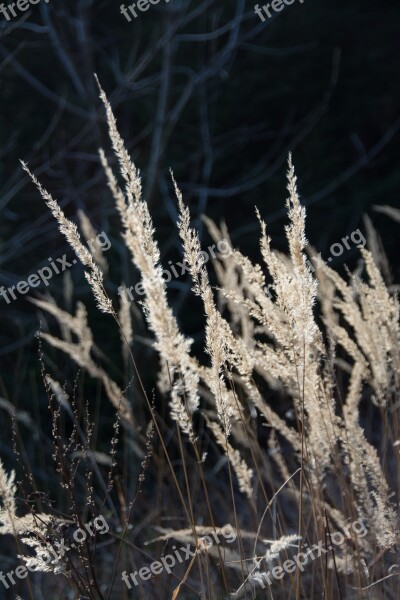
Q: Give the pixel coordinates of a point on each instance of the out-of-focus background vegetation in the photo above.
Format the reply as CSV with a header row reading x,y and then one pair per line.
x,y
206,88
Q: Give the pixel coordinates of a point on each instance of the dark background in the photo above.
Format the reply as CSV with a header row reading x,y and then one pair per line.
x,y
209,90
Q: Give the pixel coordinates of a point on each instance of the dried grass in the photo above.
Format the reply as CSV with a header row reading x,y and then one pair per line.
x,y
258,342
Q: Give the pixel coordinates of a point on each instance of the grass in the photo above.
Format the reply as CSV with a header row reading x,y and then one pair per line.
x,y
264,442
